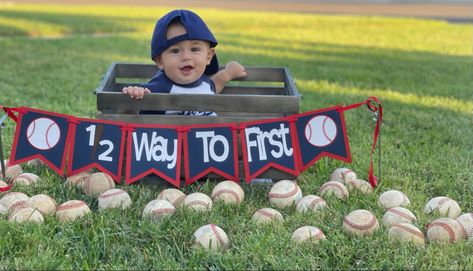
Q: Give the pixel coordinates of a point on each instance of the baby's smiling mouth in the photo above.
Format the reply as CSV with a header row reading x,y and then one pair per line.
x,y
186,68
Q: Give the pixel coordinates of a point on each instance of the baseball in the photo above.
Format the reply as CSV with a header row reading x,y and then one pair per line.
x,y
336,189
398,215
284,193
310,203
342,175
393,198
11,171
267,215
360,223
157,209
72,210
445,230
114,198
27,214
229,192
198,202
173,195
35,162
211,237
97,183
320,131
360,186
43,203
25,179
466,220
406,232
443,206
11,199
307,233
43,133
78,179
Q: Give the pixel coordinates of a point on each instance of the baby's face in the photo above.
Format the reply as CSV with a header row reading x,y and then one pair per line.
x,y
185,61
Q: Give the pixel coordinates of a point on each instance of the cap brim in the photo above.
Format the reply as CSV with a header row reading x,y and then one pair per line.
x,y
213,67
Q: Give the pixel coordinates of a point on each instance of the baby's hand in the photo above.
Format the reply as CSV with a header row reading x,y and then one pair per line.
x,y
135,92
235,70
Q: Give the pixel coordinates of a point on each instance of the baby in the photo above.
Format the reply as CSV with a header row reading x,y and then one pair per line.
x,y
183,48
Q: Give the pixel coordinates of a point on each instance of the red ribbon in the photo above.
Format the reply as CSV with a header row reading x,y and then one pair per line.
x,y
374,105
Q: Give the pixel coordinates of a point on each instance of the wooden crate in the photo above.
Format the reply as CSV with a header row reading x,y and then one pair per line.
x,y
266,92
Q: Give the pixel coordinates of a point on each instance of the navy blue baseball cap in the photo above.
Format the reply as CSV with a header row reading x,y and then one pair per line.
x,y
196,30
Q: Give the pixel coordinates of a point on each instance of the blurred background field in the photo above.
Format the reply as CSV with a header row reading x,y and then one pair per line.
x,y
53,57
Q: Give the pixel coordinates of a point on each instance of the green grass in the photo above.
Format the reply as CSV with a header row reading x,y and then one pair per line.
x,y
53,57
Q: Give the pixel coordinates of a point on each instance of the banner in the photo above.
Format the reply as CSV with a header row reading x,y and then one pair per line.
x,y
290,144
211,148
96,143
154,149
267,144
40,134
322,133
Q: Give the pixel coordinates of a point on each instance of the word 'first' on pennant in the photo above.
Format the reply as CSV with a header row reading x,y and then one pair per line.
x,y
269,143
154,149
322,133
96,143
211,148
40,134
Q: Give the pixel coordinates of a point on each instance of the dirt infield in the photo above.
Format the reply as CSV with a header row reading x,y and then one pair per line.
x,y
458,12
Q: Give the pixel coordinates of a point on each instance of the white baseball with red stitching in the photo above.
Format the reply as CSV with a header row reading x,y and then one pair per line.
x,y
71,210
406,232
393,198
26,179
114,198
445,230
267,215
398,215
27,214
331,188
310,203
284,193
198,202
43,203
466,220
173,195
11,198
307,233
12,172
157,209
342,175
98,183
78,179
360,186
360,223
211,237
443,206
229,192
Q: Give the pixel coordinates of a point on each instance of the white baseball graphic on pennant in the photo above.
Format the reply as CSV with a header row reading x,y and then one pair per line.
x,y
320,131
43,133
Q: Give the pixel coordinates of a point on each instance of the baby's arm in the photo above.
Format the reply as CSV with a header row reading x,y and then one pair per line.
x,y
231,71
135,92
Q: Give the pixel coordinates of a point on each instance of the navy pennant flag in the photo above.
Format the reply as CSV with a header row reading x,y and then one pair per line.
x,y
99,144
40,134
266,144
322,133
154,149
211,148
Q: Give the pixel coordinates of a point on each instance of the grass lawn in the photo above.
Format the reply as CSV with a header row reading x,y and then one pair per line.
x,y
53,58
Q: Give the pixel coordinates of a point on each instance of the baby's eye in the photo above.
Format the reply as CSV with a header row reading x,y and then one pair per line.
x,y
195,49
174,51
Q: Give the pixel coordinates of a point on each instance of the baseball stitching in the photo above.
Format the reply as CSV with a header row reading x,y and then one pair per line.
x,y
409,230
104,196
229,191
47,132
219,237
359,226
287,195
335,184
401,214
70,206
266,213
80,179
161,211
445,226
17,204
26,177
198,202
316,201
